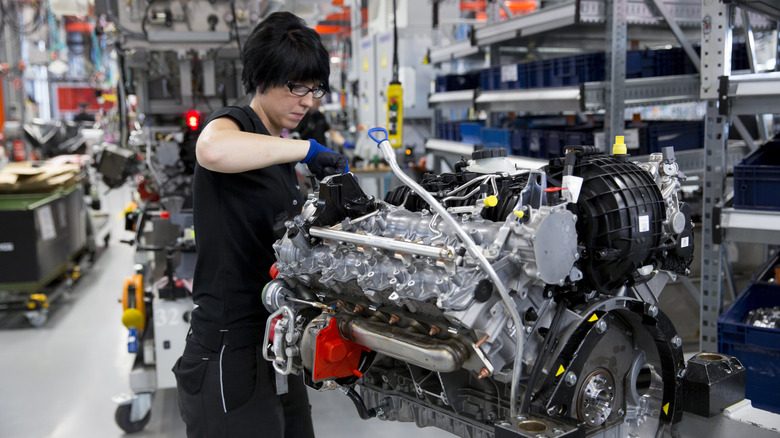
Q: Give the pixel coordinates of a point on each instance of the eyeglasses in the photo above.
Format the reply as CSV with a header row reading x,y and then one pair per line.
x,y
302,90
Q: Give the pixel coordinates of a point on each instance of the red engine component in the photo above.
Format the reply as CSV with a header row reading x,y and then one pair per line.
x,y
145,192
334,356
19,151
272,332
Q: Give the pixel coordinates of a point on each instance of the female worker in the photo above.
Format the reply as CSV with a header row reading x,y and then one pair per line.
x,y
244,183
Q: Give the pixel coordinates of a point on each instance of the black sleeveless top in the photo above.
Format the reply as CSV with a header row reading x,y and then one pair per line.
x,y
234,215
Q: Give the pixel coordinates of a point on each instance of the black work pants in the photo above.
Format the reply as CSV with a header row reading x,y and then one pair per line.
x,y
232,394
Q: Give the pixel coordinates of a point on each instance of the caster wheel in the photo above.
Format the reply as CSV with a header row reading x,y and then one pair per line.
x,y
37,318
122,417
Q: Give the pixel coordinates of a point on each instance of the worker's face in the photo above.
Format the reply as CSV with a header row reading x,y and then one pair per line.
x,y
283,109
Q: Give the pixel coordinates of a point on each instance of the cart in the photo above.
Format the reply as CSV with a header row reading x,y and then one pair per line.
x,y
157,305
44,240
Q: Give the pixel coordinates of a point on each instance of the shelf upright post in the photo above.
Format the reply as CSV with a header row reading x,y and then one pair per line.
x,y
11,54
614,90
715,63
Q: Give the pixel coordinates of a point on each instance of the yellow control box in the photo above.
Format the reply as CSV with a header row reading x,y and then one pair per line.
x,y
395,111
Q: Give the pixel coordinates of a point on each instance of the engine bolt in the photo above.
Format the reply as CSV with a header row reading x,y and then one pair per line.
x,y
394,319
358,309
652,311
484,372
570,378
601,326
676,341
434,330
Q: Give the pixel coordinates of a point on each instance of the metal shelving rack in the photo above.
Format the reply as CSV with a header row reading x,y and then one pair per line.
x,y
728,96
582,22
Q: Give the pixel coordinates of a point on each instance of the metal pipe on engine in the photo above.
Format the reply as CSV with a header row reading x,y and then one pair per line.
x,y
339,225
436,252
417,349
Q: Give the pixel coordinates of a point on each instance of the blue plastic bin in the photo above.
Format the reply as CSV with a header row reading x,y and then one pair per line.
x,y
455,82
470,132
497,138
449,131
758,348
490,78
685,135
757,179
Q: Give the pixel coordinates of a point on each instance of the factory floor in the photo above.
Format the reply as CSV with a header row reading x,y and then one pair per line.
x,y
57,380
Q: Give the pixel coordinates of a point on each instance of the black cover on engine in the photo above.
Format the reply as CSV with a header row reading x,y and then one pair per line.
x,y
620,217
509,188
341,197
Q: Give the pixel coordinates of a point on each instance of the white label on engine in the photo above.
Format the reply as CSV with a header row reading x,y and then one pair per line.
x,y
684,242
6,247
644,223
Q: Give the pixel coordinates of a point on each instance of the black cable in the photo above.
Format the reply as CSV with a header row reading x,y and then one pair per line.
x,y
235,27
395,46
122,92
2,20
363,412
146,18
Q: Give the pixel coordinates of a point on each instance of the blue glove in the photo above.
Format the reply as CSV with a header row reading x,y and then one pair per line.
x,y
349,145
323,161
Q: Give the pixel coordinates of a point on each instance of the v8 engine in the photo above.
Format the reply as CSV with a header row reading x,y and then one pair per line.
x,y
491,301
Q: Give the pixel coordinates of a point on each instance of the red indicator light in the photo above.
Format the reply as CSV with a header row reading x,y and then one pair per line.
x,y
192,119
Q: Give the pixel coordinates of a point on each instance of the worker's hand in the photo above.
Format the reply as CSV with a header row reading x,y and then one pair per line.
x,y
323,161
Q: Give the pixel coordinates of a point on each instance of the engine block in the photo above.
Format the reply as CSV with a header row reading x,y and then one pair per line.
x,y
490,295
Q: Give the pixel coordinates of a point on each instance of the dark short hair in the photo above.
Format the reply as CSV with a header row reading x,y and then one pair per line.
x,y
282,48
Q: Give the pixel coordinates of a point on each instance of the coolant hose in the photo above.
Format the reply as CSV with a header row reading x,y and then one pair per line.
x,y
363,412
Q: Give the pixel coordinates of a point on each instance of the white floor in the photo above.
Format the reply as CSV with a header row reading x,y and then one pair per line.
x,y
56,381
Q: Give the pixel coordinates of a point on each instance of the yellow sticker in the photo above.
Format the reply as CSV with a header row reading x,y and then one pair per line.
x,y
593,318
384,59
560,370
365,64
666,409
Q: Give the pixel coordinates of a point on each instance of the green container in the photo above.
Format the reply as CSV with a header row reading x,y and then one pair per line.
x,y
40,234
